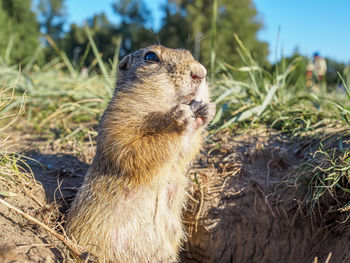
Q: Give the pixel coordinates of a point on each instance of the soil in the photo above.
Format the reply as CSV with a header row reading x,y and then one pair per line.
x,y
58,172
243,205
248,208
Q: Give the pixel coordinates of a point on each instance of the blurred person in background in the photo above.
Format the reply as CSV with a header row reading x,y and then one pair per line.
x,y
316,72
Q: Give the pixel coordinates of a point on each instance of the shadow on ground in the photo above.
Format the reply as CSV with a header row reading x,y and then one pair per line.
x,y
60,174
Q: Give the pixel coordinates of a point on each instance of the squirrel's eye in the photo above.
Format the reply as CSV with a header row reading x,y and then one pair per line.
x,y
151,57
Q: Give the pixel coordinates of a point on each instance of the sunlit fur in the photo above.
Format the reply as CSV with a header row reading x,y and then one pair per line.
x,y
130,205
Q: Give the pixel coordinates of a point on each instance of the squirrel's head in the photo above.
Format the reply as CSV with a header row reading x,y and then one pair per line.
x,y
170,74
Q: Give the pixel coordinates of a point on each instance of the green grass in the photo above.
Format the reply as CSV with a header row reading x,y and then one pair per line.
x,y
270,99
342,104
324,176
60,96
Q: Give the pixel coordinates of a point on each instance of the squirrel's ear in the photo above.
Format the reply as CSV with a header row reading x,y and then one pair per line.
x,y
125,63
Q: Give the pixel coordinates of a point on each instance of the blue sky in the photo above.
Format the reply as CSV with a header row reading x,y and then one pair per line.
x,y
309,25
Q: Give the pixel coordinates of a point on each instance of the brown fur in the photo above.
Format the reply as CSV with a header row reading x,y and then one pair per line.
x,y
129,208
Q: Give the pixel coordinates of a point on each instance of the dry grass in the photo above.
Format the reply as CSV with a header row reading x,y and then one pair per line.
x,y
12,166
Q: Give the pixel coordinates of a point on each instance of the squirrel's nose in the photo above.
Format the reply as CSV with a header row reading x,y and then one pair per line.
x,y
198,71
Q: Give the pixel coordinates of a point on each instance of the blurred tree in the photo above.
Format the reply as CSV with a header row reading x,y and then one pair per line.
x,y
134,16
103,32
19,30
175,31
5,31
51,15
132,11
187,24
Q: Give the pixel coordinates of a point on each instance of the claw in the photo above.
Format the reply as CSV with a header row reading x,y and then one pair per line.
x,y
195,105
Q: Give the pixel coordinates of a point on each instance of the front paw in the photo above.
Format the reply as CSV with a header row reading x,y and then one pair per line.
x,y
204,112
183,115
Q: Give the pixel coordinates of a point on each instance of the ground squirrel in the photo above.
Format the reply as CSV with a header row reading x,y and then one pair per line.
x,y
130,205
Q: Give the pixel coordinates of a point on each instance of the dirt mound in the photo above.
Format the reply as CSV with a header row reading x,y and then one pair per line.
x,y
47,198
23,241
243,205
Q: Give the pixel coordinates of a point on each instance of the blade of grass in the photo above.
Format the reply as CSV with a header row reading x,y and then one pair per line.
x,y
33,58
9,49
99,61
213,39
115,60
63,55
